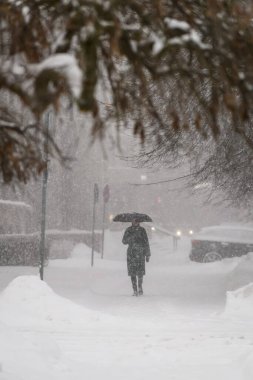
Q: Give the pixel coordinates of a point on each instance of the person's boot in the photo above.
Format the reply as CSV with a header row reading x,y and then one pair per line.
x,y
140,290
135,293
134,283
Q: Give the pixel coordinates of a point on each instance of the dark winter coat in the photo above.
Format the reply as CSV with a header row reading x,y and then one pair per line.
x,y
138,249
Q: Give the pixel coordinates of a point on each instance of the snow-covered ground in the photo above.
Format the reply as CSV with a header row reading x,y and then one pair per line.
x,y
83,323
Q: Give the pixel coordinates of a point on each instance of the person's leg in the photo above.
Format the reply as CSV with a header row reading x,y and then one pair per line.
x,y
140,281
134,283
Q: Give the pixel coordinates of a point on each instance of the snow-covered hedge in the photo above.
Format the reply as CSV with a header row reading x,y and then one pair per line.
x,y
20,249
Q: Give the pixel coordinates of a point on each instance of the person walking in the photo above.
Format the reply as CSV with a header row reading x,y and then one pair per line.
x,y
138,252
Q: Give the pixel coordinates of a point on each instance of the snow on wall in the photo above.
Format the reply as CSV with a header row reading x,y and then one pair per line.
x,y
14,203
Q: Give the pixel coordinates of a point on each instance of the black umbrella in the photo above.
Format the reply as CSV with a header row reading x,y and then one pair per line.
x,y
130,216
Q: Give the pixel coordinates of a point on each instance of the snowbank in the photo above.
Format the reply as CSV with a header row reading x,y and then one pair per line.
x,y
30,356
242,274
78,255
240,302
30,302
80,251
248,367
35,326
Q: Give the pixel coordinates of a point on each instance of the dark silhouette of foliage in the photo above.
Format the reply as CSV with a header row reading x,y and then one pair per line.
x,y
162,67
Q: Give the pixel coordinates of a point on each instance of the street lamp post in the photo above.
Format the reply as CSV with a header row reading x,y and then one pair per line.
x,y
106,197
44,198
95,200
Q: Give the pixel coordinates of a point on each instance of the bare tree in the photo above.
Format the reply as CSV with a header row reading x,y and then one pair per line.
x,y
225,168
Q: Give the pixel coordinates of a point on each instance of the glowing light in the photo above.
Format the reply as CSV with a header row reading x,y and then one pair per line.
x,y
153,228
178,233
190,232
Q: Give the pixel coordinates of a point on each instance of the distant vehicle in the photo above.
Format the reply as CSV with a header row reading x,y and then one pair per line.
x,y
218,242
182,229
185,231
19,243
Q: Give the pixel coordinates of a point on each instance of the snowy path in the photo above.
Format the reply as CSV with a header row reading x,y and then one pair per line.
x,y
176,331
138,354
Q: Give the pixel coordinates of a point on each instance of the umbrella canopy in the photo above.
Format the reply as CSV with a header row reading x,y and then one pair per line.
x,y
130,216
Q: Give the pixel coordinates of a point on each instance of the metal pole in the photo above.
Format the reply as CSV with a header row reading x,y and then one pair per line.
x,y
175,241
44,200
103,233
93,232
95,200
